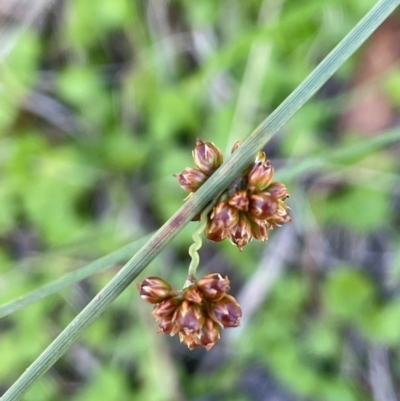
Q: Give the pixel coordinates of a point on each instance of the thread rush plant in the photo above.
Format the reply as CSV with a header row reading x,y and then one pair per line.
x,y
248,208
217,183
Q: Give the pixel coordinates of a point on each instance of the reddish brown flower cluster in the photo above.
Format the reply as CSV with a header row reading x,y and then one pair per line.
x,y
251,206
197,312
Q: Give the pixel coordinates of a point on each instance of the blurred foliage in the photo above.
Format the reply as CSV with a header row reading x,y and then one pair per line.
x,y
100,103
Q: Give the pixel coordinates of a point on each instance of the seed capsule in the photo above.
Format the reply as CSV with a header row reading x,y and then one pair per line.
x,y
155,290
277,190
215,235
213,286
209,334
207,156
260,176
222,217
192,294
262,205
191,179
226,312
259,229
240,201
166,308
189,317
240,234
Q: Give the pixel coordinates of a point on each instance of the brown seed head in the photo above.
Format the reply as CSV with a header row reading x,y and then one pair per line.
x,y
216,235
166,308
207,156
260,176
189,317
262,205
226,312
191,179
240,234
259,229
239,200
277,190
213,286
209,334
167,326
223,216
192,294
280,216
155,290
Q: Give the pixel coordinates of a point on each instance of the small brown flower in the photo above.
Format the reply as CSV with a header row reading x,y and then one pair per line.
x,y
189,317
277,190
262,206
281,216
210,333
198,311
191,179
241,233
252,204
259,229
240,200
155,290
165,309
213,286
216,235
226,312
223,216
192,294
260,176
207,156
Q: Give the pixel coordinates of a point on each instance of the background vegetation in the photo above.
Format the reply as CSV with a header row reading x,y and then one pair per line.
x,y
101,102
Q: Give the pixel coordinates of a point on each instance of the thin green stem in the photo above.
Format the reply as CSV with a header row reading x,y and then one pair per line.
x,y
197,243
71,278
220,180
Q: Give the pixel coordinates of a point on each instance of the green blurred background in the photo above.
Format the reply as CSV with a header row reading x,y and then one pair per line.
x,y
101,102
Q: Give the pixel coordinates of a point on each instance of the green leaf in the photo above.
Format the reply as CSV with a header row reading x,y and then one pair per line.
x,y
383,324
348,293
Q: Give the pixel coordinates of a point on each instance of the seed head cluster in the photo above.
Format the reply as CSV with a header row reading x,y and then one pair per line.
x,y
252,205
197,313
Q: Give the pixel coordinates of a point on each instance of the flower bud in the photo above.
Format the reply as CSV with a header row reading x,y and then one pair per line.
x,y
240,234
222,217
166,308
207,156
192,294
209,334
189,317
226,312
191,179
213,286
216,235
155,290
280,216
277,190
167,326
262,205
259,229
240,201
260,176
